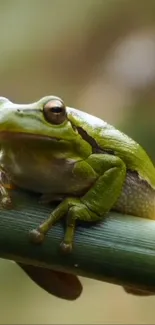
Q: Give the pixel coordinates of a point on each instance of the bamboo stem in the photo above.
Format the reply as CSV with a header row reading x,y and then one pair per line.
x,y
119,250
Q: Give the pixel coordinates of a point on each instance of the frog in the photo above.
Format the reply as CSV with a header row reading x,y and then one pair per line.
x,y
71,156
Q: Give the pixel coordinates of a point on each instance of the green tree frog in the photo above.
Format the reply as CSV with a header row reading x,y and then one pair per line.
x,y
69,155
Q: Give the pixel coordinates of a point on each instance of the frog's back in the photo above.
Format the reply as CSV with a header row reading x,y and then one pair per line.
x,y
108,138
134,156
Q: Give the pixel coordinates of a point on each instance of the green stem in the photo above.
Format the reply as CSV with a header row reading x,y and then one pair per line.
x,y
119,250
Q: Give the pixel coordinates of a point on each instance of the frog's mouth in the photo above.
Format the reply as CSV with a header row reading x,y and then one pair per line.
x,y
12,136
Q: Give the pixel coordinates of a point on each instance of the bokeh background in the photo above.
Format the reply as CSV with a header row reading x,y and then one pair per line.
x,y
99,56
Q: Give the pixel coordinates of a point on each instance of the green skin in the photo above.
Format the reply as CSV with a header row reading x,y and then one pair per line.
x,y
88,164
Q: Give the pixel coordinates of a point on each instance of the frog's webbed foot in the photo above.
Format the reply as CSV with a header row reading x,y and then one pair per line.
x,y
5,186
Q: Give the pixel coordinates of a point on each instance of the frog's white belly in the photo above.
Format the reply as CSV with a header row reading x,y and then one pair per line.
x,y
43,175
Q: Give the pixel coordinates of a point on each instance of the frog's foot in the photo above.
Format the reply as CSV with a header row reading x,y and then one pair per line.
x,y
5,186
36,236
6,202
5,199
66,247
73,209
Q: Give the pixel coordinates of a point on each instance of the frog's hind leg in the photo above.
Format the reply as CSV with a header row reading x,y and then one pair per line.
x,y
91,207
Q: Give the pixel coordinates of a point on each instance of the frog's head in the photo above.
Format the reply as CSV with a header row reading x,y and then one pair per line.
x,y
48,120
45,118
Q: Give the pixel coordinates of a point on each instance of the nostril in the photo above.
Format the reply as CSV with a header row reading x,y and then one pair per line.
x,y
19,110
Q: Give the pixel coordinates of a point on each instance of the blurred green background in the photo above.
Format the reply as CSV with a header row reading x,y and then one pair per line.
x,y
99,56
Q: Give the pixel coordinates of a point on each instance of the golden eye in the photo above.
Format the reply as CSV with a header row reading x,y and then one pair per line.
x,y
54,111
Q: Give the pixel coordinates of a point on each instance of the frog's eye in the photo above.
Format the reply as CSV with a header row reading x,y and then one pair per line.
x,y
54,111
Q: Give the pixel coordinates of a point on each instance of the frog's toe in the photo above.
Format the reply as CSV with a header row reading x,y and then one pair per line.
x,y
6,202
36,236
66,247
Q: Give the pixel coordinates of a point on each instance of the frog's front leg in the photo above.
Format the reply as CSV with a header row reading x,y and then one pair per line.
x,y
5,185
93,206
